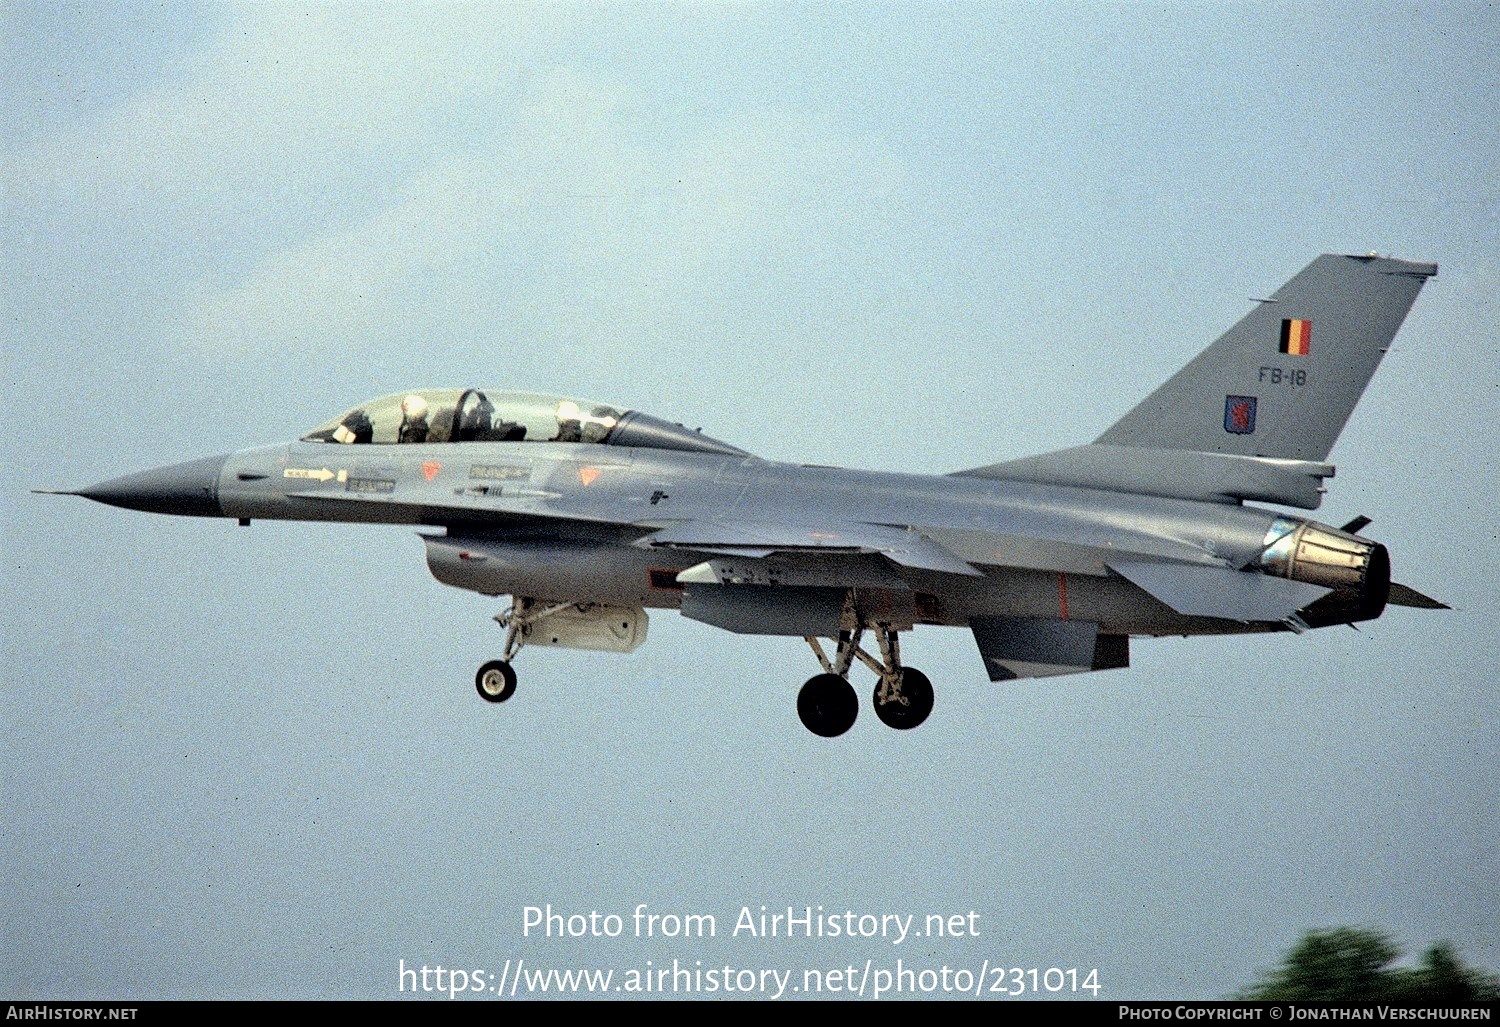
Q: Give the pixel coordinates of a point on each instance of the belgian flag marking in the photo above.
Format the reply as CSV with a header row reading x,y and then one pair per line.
x,y
1296,336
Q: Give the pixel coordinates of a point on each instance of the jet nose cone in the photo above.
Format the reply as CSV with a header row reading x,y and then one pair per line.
x,y
191,489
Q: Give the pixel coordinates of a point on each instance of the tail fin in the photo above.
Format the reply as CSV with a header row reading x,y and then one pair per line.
x,y
1284,380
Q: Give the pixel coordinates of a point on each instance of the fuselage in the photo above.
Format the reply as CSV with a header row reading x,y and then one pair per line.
x,y
556,520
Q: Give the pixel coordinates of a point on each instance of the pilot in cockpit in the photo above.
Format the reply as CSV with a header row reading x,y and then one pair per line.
x,y
414,426
569,422
573,425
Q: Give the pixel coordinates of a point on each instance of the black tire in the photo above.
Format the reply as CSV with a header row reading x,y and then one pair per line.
x,y
916,689
496,681
827,705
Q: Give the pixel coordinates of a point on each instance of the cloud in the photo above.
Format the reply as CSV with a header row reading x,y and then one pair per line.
x,y
569,219
285,94
357,173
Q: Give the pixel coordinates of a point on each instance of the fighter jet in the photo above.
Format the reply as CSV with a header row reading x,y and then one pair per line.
x,y
586,514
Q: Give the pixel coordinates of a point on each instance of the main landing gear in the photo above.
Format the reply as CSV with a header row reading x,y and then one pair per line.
x,y
828,705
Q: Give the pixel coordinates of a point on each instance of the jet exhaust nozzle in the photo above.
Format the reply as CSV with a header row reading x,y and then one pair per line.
x,y
1357,570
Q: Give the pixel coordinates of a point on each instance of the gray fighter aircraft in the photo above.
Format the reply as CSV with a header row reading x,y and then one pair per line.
x,y
586,514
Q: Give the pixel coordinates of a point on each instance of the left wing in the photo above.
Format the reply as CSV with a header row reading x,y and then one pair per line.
x,y
902,546
812,567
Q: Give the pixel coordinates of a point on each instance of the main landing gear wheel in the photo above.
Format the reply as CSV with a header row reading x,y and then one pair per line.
x,y
827,705
911,707
496,681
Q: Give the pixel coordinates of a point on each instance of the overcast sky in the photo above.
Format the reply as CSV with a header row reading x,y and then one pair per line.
x,y
919,237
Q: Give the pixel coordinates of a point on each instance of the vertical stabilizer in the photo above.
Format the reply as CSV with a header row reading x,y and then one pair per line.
x,y
1284,380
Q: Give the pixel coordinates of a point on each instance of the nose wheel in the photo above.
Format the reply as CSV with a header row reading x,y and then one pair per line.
x,y
827,704
496,681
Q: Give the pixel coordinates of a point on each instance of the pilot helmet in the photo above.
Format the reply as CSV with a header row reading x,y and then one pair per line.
x,y
413,408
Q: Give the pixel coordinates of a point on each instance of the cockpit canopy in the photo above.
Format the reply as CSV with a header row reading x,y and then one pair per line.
x,y
483,415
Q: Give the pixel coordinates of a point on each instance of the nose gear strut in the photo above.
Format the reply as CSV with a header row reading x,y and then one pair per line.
x,y
496,680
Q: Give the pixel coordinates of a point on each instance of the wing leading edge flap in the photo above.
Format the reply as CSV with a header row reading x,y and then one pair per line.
x,y
742,538
1243,596
1030,647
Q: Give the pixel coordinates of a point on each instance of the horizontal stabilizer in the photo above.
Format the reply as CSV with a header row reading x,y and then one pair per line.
x,y
1030,647
1243,596
744,538
1402,595
1173,473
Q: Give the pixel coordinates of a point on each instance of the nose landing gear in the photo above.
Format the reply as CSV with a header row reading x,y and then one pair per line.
x,y
496,681
827,704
